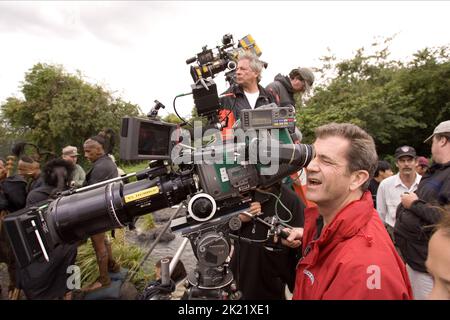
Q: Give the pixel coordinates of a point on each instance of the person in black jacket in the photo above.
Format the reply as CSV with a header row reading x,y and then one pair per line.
x,y
418,212
13,195
103,169
48,279
246,93
30,169
261,267
283,88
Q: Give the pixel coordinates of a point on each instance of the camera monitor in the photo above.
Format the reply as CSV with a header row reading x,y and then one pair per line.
x,y
143,139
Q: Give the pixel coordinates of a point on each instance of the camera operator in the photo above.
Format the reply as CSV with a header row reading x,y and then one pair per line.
x,y
103,169
262,267
347,252
246,93
48,279
283,88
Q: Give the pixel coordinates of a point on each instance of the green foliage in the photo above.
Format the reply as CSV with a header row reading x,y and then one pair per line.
x,y
397,103
172,118
146,222
196,117
134,167
60,108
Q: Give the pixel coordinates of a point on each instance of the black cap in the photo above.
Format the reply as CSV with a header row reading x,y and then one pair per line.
x,y
405,151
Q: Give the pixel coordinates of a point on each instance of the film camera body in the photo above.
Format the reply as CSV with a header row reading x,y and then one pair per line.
x,y
214,193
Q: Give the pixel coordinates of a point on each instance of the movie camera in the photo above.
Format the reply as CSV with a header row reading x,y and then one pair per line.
x,y
221,58
215,183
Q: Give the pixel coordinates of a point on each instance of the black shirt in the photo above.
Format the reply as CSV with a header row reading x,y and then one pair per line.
x,y
373,188
263,269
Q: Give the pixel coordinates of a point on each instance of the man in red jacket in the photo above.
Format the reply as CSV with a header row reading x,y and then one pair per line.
x,y
347,252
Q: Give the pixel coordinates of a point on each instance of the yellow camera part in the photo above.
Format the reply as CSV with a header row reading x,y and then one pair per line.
x,y
141,194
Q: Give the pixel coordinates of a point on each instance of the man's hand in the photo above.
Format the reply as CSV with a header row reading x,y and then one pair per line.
x,y
255,209
408,198
294,239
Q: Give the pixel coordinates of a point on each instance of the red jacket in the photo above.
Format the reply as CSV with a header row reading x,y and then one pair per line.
x,y
353,258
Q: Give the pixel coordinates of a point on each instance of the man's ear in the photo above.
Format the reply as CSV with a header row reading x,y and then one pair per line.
x,y
358,178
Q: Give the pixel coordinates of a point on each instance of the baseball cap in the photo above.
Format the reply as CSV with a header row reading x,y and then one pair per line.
x,y
70,151
405,151
422,161
442,127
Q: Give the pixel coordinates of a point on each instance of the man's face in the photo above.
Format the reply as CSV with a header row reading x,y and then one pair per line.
x,y
421,169
438,149
406,165
438,265
385,174
92,150
28,170
298,85
245,76
71,159
3,170
328,179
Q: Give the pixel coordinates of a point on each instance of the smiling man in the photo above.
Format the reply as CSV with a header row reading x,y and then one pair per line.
x,y
347,253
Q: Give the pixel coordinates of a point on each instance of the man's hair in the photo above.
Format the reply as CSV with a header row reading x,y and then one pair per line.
x,y
179,272
444,222
27,159
361,154
255,64
445,135
106,139
382,166
57,173
295,73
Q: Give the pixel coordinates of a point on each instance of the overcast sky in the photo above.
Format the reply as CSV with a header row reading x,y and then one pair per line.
x,y
138,49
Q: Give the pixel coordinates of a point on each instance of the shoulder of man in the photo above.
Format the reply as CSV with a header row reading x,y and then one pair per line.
x,y
265,94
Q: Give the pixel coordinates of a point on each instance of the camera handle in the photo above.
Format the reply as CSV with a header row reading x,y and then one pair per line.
x,y
271,226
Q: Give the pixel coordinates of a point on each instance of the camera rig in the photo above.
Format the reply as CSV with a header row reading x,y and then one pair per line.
x,y
216,183
221,58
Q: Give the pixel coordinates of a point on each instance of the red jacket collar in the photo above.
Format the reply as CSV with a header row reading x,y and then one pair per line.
x,y
346,224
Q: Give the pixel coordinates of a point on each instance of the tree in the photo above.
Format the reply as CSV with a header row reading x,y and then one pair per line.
x,y
61,108
172,118
397,103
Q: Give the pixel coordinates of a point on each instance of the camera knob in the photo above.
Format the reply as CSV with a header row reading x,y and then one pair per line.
x,y
202,207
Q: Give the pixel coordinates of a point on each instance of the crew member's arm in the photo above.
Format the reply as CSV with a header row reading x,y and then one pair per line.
x,y
424,210
295,237
255,209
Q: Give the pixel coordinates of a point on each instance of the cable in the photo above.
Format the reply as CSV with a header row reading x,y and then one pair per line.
x,y
175,109
283,221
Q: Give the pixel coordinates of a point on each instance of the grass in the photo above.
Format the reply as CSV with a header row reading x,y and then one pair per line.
x,y
134,167
146,222
127,255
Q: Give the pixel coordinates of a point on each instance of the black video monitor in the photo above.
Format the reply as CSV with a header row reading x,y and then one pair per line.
x,y
143,139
